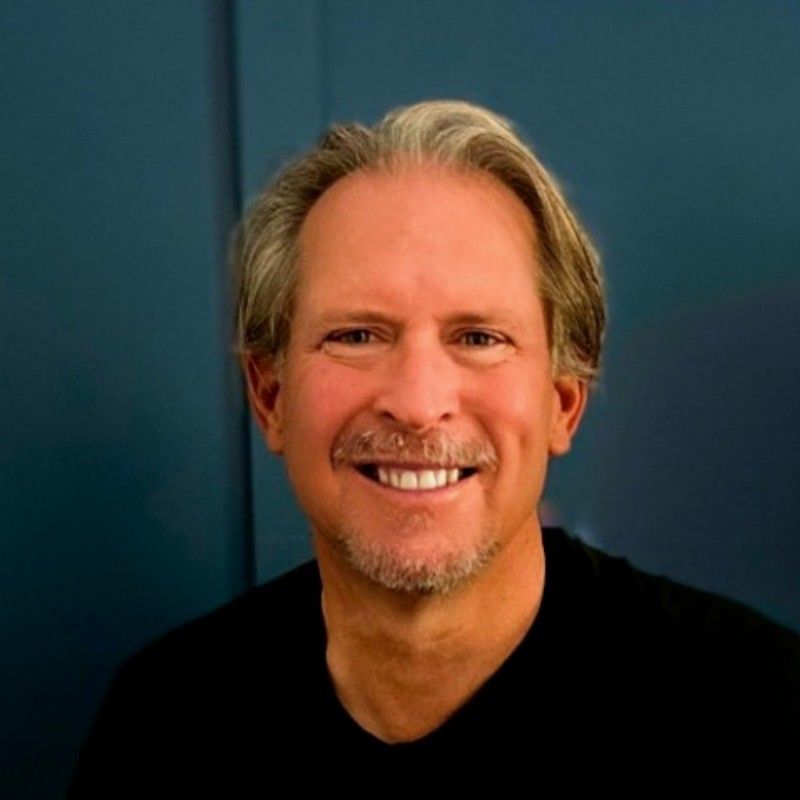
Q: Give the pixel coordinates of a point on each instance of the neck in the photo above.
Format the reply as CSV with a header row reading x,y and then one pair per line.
x,y
402,664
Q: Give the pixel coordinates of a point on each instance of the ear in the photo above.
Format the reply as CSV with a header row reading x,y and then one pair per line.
x,y
569,402
264,384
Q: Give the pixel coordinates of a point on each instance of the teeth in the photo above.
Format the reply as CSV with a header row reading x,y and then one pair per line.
x,y
409,480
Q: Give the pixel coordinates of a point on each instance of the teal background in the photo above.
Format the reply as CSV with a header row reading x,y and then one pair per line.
x,y
135,492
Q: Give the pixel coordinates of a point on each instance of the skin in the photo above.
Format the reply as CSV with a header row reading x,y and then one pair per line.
x,y
392,265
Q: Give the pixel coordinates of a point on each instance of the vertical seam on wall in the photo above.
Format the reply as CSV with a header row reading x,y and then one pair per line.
x,y
232,80
323,29
232,110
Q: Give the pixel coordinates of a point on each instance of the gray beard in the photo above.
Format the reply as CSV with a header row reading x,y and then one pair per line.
x,y
404,573
391,567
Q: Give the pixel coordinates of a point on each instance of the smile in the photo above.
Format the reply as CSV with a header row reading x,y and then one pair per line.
x,y
414,480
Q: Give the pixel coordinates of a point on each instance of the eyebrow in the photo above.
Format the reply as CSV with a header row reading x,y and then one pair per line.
x,y
490,317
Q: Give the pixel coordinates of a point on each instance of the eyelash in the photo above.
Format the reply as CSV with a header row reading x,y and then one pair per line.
x,y
339,336
497,339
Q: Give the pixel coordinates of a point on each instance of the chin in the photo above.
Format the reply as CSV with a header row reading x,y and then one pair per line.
x,y
423,572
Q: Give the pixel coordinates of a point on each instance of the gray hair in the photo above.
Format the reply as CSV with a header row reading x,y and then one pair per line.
x,y
456,134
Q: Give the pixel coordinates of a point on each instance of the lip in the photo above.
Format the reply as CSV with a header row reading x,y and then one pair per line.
x,y
444,494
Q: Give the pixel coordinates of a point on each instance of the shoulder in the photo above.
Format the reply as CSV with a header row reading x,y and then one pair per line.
x,y
279,614
677,664
692,647
178,711
685,628
629,596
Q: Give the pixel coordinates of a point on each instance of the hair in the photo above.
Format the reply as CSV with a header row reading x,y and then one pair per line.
x,y
453,134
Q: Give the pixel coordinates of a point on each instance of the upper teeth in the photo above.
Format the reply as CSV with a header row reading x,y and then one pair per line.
x,y
417,479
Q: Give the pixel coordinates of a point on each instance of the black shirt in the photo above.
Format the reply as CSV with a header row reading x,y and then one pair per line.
x,y
622,673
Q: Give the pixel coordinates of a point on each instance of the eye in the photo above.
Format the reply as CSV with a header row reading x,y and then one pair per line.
x,y
481,339
354,336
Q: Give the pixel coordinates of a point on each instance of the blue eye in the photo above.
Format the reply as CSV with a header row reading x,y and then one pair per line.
x,y
481,338
474,340
355,336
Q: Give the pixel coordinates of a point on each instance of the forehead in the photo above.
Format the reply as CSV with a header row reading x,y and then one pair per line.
x,y
417,200
420,234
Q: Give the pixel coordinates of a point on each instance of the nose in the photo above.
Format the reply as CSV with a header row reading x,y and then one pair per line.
x,y
420,386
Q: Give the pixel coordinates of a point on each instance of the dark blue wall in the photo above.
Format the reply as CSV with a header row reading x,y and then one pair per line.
x,y
129,130
120,503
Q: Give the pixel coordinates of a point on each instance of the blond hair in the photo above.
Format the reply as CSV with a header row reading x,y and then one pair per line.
x,y
448,133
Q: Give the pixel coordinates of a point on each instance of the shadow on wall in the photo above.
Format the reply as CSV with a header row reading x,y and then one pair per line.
x,y
698,475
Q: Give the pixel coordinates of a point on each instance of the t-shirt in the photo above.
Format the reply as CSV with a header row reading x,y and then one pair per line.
x,y
622,673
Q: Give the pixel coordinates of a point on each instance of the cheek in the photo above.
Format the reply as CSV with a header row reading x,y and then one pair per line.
x,y
521,407
322,398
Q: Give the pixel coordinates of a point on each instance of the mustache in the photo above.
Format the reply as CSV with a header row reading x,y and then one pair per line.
x,y
437,447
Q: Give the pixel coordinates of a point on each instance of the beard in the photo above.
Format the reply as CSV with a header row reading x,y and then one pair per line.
x,y
404,557
400,567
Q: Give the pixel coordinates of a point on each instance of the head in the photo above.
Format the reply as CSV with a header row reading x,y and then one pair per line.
x,y
455,134
444,211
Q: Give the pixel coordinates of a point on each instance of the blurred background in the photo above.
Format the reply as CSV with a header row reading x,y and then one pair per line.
x,y
135,493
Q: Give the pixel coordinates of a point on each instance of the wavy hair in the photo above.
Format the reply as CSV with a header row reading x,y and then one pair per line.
x,y
455,134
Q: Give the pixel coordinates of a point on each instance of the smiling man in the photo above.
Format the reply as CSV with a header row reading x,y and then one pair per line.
x,y
416,407
420,324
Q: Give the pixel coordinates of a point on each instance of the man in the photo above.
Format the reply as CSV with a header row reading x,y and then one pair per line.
x,y
420,323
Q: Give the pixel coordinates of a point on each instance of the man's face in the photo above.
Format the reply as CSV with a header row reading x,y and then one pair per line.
x,y
418,348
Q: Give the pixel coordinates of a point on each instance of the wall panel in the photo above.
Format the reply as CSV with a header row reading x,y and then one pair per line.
x,y
120,501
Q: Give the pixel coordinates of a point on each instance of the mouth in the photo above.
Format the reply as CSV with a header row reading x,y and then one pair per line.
x,y
415,479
